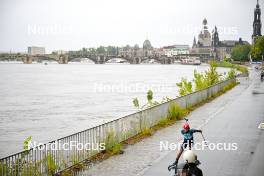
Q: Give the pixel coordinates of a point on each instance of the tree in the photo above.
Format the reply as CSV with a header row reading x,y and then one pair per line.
x,y
257,51
185,87
111,50
101,50
92,51
212,76
241,53
149,95
199,81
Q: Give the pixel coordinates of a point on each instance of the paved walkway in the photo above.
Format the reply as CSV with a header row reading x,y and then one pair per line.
x,y
236,122
233,117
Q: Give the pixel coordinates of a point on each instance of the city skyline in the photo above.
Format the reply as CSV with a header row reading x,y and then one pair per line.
x,y
73,25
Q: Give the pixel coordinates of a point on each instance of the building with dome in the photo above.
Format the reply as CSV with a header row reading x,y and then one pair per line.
x,y
202,47
204,38
136,51
209,45
147,48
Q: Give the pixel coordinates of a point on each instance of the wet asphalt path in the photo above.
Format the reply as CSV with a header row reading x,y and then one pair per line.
x,y
237,122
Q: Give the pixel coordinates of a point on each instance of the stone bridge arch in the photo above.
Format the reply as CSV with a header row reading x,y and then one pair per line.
x,y
166,60
157,59
27,59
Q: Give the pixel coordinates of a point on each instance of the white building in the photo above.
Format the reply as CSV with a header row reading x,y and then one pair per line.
x,y
175,50
58,52
34,50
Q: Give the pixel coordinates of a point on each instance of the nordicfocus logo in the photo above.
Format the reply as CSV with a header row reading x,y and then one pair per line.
x,y
165,145
71,145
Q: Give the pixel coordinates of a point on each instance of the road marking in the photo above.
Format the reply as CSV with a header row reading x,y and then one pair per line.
x,y
212,116
261,126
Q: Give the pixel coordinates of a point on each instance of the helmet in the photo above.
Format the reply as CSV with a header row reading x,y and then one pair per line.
x,y
189,156
186,126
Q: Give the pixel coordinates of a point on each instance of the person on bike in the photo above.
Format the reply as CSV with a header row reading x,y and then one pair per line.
x,y
262,74
187,140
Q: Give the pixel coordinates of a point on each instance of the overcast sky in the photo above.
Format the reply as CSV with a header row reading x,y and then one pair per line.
x,y
73,24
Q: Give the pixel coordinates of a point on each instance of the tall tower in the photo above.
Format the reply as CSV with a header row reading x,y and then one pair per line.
x,y
194,43
215,38
256,23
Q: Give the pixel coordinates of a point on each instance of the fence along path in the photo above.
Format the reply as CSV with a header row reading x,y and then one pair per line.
x,y
44,160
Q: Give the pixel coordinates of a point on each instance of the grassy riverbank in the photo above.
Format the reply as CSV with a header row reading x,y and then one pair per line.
x,y
241,68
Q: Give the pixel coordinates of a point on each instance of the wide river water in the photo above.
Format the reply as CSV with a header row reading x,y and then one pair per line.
x,y
51,101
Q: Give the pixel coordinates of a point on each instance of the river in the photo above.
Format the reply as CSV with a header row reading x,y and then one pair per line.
x,y
51,101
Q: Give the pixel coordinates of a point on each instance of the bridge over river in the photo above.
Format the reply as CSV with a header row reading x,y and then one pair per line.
x,y
96,58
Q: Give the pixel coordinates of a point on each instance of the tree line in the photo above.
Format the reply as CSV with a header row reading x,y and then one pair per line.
x,y
243,53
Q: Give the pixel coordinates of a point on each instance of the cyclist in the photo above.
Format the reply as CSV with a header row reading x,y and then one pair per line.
x,y
187,140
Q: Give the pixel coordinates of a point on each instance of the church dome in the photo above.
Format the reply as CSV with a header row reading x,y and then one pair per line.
x,y
147,44
136,46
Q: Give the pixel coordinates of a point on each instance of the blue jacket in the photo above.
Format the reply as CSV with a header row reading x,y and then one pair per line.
x,y
189,135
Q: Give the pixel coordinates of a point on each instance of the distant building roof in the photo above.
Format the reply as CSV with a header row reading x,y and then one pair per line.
x,y
176,47
147,44
232,43
229,42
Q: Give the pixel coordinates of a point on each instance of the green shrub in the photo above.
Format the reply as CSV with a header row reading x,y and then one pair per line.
x,y
50,164
185,87
242,69
4,168
212,76
150,101
199,81
164,122
229,86
231,74
112,146
136,103
30,169
147,132
175,112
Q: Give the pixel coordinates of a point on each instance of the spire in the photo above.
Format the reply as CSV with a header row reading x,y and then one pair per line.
x,y
256,23
215,38
194,42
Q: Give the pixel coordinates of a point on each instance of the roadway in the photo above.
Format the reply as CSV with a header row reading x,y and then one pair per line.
x,y
236,122
231,118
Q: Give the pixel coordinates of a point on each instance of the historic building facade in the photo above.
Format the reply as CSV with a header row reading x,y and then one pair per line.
x,y
202,47
256,23
223,49
209,45
146,51
175,50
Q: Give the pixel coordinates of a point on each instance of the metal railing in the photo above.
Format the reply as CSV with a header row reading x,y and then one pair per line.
x,y
47,160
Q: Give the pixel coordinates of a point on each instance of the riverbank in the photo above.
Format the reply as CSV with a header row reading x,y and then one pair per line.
x,y
239,67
